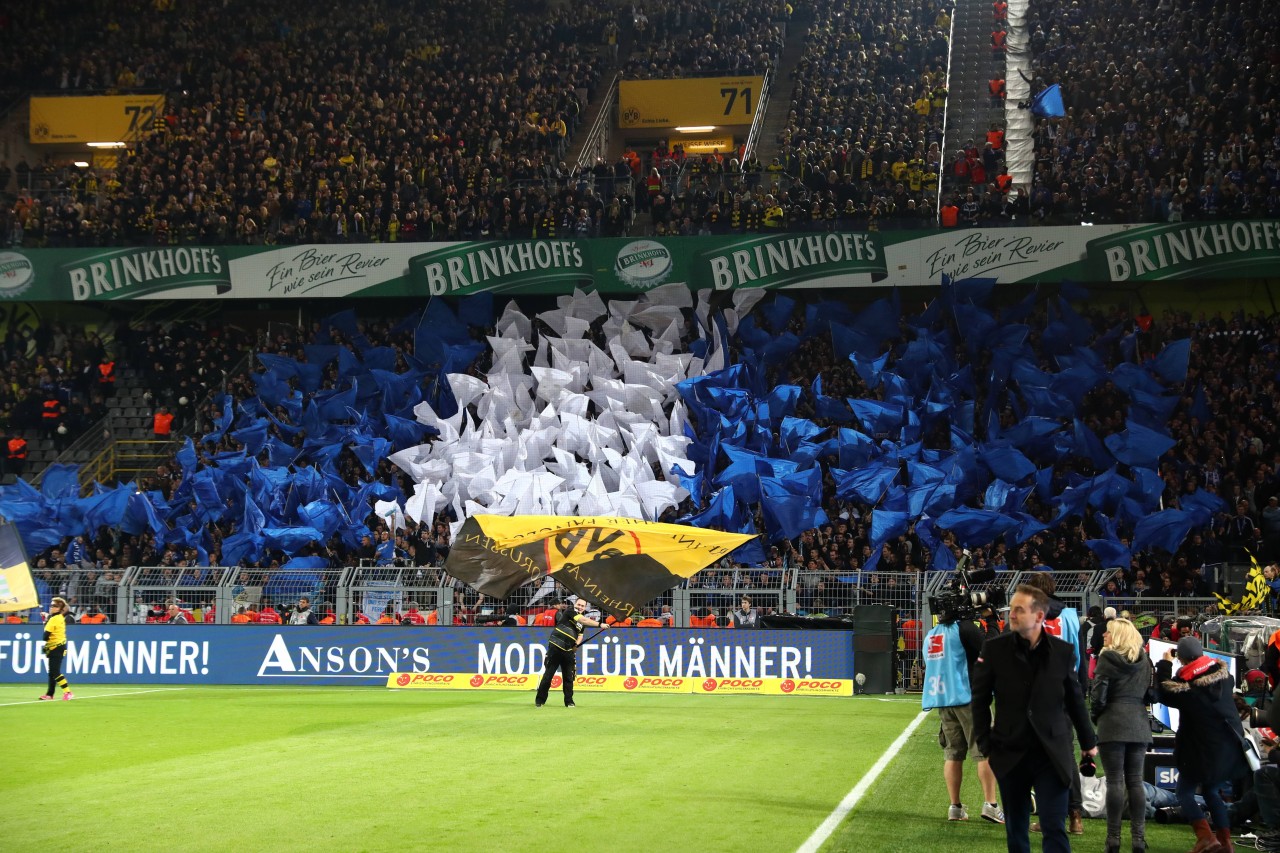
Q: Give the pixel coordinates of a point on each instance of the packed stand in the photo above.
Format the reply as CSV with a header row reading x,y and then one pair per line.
x,y
865,127
679,38
718,197
1217,458
1235,369
334,123
59,381
1171,111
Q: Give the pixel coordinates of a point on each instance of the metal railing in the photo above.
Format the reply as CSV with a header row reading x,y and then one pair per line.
x,y
400,593
256,591
426,595
757,123
147,591
596,143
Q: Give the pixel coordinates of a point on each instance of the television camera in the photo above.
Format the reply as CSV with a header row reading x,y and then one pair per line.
x,y
958,600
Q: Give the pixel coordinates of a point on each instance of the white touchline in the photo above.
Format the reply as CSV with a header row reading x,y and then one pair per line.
x,y
828,826
99,696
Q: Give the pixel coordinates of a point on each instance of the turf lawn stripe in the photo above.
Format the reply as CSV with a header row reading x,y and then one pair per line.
x,y
814,842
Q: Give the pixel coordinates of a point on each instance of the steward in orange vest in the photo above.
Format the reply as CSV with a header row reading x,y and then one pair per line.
x,y
163,423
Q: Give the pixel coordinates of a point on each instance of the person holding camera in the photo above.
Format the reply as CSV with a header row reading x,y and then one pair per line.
x,y
562,649
951,648
1208,749
1266,784
1119,710
1031,676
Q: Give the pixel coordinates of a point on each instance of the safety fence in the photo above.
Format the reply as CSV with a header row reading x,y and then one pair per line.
x,y
426,595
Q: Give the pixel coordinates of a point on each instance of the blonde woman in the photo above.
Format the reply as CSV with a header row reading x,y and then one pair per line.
x,y
1120,713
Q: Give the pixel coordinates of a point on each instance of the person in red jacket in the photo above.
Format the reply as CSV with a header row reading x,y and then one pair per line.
x,y
268,615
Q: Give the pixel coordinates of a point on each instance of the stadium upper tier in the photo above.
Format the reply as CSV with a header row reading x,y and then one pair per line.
x,y
452,120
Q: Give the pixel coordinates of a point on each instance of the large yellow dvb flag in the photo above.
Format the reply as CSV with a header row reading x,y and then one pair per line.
x,y
619,563
17,590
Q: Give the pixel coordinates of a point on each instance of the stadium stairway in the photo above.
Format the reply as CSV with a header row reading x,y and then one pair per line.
x,y
775,116
970,112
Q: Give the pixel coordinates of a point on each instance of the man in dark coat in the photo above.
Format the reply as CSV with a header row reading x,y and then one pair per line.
x,y
1209,747
1032,677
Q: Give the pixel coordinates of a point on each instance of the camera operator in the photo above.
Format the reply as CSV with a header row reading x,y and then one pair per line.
x,y
508,617
951,649
1266,781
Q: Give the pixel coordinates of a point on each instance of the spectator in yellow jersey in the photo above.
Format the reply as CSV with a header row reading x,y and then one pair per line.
x,y
55,648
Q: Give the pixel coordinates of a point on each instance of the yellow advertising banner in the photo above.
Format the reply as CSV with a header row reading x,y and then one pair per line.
x,y
691,101
460,681
98,118
587,683
775,686
628,684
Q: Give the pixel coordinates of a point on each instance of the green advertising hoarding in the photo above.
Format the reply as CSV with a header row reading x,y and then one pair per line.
x,y
1108,253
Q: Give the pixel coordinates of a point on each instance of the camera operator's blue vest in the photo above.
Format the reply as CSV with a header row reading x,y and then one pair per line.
x,y
946,668
1066,626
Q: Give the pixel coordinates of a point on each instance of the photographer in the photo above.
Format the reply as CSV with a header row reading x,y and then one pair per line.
x,y
951,649
303,614
746,616
1266,784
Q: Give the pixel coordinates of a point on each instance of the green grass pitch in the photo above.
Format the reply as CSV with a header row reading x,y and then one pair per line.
x,y
312,768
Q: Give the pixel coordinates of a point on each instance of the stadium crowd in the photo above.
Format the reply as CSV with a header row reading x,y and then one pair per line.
x,y
58,381
1171,111
1224,424
696,39
334,124
453,124
865,125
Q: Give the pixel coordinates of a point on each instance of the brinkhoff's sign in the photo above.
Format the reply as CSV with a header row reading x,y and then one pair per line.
x,y
1187,250
129,273
1102,253
254,654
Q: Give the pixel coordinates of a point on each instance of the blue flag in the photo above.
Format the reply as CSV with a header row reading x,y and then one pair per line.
x,y
1171,364
1164,530
61,481
1048,104
976,527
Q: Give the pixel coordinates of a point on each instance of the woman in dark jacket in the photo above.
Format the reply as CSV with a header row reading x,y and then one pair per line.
x,y
1120,713
1208,750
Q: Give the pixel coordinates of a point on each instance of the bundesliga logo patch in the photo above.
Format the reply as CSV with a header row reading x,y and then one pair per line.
x,y
935,648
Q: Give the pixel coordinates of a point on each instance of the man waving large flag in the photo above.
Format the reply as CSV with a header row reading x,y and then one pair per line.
x,y
621,563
